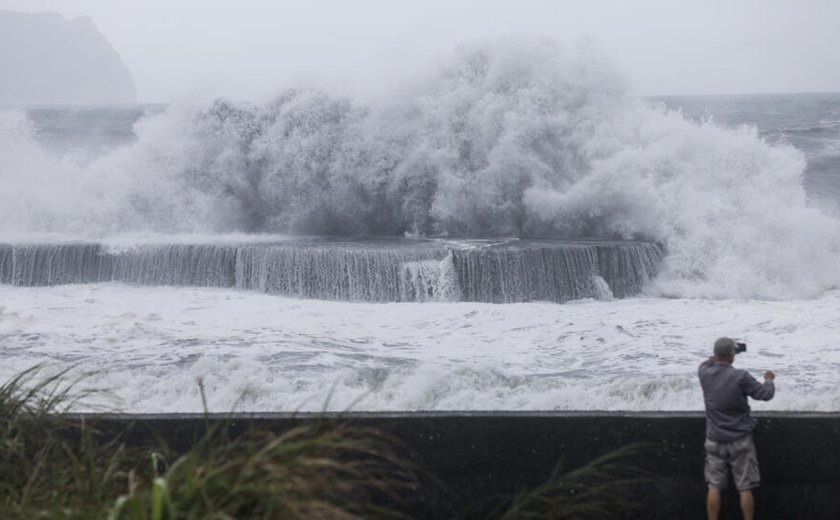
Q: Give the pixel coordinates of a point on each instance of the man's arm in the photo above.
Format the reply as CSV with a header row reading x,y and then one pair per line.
x,y
705,365
756,390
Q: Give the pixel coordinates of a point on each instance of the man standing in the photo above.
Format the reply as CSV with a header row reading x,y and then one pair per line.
x,y
729,443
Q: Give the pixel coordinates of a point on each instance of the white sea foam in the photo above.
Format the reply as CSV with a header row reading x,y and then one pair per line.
x,y
260,352
506,138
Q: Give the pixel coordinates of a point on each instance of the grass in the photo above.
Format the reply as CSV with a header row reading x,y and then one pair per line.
x,y
40,465
52,466
601,488
324,470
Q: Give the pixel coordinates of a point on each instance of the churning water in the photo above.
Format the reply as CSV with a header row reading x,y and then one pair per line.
x,y
720,211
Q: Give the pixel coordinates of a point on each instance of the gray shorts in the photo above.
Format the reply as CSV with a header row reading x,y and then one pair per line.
x,y
739,456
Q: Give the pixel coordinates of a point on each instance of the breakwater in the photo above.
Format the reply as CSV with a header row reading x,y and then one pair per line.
x,y
376,270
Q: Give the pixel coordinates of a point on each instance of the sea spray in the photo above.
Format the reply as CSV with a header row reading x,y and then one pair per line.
x,y
512,137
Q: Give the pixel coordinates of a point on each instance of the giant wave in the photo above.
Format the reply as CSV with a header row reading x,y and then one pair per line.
x,y
512,137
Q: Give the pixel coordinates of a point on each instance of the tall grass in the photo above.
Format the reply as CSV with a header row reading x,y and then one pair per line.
x,y
52,466
602,488
323,470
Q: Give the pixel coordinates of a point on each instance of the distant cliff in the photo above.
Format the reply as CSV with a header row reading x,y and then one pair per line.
x,y
47,59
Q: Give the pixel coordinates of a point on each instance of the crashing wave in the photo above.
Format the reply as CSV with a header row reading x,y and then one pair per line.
x,y
516,138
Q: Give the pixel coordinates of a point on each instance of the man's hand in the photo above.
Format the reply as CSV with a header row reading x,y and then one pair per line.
x,y
769,375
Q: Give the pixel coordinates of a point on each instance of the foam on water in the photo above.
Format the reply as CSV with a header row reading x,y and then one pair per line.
x,y
260,352
512,137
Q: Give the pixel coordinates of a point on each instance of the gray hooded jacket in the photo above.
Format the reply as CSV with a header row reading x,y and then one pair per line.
x,y
725,391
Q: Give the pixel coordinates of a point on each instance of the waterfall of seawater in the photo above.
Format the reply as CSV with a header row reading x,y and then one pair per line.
x,y
376,271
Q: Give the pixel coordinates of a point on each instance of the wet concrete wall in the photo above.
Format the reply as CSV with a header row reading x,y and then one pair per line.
x,y
479,454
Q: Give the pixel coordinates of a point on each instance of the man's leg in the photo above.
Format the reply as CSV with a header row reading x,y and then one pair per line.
x,y
713,503
745,471
716,471
747,504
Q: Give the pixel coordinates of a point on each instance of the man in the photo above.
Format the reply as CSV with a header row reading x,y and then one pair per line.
x,y
729,443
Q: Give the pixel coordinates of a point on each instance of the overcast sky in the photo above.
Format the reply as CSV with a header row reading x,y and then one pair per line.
x,y
249,48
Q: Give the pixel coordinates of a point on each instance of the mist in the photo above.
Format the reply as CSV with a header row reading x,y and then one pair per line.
x,y
252,50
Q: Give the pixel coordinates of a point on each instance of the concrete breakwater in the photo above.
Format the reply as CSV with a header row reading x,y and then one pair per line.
x,y
481,454
373,270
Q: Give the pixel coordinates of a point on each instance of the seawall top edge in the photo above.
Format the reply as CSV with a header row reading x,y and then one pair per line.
x,y
432,415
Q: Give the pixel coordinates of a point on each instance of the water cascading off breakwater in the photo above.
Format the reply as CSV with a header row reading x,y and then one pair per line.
x,y
380,270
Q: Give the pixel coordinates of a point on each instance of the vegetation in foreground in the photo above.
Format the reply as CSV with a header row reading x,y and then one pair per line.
x,y
56,466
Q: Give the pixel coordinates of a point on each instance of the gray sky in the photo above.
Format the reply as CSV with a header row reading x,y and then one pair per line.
x,y
251,48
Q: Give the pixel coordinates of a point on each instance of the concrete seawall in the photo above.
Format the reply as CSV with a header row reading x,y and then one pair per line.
x,y
479,454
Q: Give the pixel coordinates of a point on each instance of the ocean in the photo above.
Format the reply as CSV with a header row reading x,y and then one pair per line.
x,y
809,122
513,232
